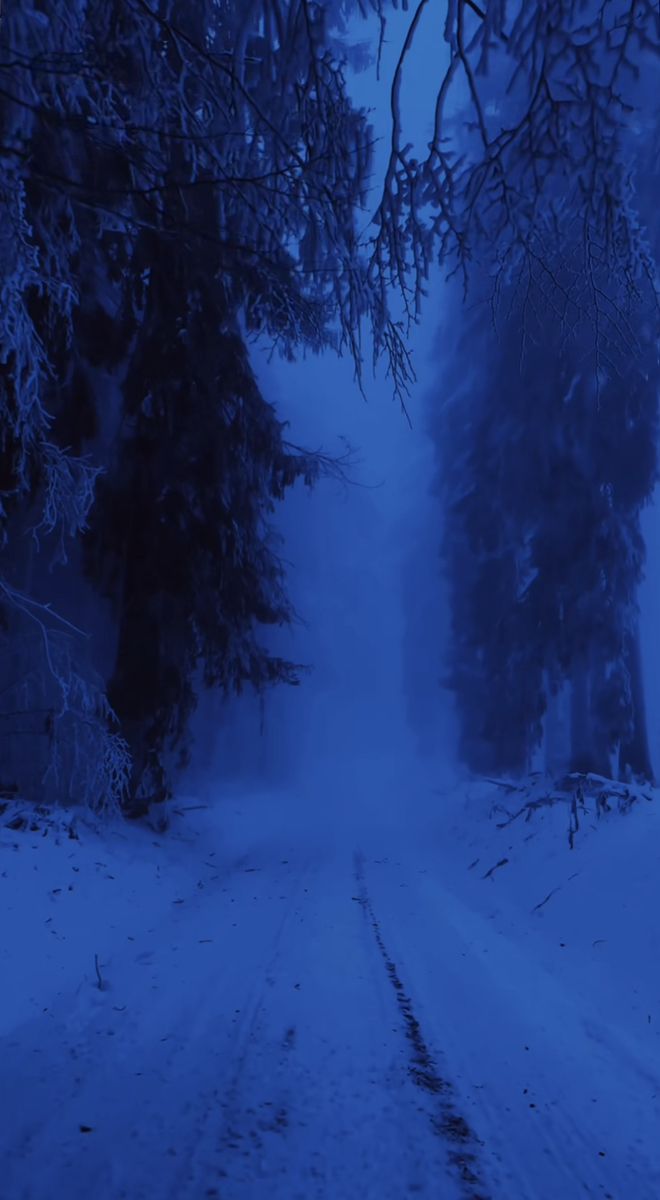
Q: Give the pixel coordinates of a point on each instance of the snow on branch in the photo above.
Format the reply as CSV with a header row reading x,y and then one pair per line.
x,y
529,145
69,484
31,462
234,124
58,731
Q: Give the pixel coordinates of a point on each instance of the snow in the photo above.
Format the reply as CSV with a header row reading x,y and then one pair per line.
x,y
322,992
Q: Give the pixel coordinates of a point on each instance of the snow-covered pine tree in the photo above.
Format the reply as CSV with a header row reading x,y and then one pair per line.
x,y
548,458
175,199
55,723
179,536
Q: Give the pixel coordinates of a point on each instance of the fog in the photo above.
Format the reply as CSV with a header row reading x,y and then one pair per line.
x,y
362,557
363,572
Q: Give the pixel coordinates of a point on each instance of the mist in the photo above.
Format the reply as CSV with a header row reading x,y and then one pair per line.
x,y
362,557
363,570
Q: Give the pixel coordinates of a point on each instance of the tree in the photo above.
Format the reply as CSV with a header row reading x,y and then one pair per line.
x,y
179,536
530,124
548,462
194,458
49,696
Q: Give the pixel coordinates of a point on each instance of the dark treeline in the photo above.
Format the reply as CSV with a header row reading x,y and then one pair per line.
x,y
549,454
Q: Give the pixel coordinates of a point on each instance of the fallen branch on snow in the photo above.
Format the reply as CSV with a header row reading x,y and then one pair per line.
x,y
579,791
489,874
545,901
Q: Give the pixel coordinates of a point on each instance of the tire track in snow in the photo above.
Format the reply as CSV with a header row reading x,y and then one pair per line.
x,y
444,1117
218,1120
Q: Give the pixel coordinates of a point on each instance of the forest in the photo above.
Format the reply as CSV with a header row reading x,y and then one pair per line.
x,y
178,183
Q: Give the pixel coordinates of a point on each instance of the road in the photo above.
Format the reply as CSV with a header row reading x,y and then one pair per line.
x,y
318,1014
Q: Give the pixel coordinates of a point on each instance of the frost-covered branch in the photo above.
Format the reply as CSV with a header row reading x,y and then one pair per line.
x,y
31,464
85,759
249,105
531,123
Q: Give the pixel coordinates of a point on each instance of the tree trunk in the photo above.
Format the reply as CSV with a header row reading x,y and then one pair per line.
x,y
556,732
634,753
602,741
133,687
585,755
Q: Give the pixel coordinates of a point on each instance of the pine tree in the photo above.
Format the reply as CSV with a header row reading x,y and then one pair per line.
x,y
548,462
140,209
179,536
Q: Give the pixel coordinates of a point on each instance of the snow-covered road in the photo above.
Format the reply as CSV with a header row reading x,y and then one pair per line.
x,y
290,1011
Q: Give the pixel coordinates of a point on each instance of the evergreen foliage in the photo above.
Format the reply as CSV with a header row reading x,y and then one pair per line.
x,y
144,242
549,456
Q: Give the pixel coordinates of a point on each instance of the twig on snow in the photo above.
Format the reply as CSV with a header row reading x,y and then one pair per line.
x,y
489,873
542,902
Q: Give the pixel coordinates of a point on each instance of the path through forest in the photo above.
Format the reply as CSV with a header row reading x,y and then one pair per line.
x,y
266,1005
